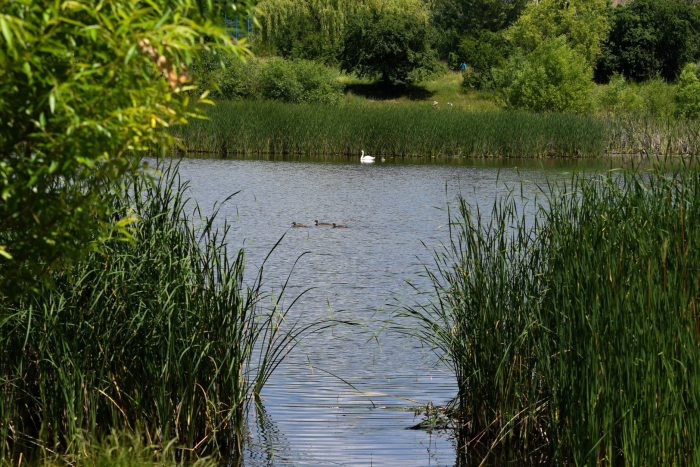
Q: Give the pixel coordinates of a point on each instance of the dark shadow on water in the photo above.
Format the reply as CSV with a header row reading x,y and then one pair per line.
x,y
382,92
475,452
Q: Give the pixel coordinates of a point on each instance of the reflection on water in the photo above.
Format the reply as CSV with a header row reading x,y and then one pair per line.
x,y
342,397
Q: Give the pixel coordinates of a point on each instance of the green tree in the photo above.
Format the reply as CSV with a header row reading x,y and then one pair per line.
x,y
389,44
649,38
584,24
688,94
551,78
85,88
454,21
314,29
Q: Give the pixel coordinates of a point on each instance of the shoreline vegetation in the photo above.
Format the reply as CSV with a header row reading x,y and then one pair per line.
x,y
156,335
574,335
278,106
268,127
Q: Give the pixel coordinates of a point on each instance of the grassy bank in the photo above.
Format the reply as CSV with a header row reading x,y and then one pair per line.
x,y
576,335
158,336
247,127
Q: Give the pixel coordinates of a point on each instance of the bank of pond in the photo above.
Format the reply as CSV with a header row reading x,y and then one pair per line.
x,y
572,334
268,127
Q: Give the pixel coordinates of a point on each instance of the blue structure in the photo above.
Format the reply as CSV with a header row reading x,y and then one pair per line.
x,y
234,27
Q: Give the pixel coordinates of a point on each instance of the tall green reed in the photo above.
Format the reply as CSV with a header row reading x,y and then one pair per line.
x,y
574,330
385,129
158,336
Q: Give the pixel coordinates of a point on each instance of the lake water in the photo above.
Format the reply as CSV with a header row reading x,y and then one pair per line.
x,y
395,213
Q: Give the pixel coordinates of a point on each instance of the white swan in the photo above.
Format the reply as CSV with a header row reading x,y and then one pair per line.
x,y
364,158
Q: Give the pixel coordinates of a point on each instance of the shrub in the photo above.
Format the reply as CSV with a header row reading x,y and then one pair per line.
x,y
299,81
552,78
617,96
296,81
658,97
653,98
482,52
688,95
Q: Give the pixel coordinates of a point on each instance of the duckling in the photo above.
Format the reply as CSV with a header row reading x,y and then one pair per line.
x,y
336,226
294,224
321,223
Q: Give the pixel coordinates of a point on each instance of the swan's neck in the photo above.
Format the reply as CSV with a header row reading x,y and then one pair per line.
x,y
362,154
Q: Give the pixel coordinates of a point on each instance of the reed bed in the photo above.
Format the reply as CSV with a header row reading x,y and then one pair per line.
x,y
261,127
157,336
664,135
573,333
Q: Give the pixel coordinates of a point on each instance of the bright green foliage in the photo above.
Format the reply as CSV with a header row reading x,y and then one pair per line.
x,y
158,335
297,81
552,78
388,44
574,335
83,86
617,96
584,23
397,130
650,38
653,98
688,95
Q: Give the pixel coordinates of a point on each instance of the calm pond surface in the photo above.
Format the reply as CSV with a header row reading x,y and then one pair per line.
x,y
394,211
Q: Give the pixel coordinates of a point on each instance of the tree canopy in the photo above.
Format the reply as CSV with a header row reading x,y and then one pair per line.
x,y
583,23
387,43
649,38
314,29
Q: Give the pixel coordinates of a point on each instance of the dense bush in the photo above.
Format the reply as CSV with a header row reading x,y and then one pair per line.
x,y
654,98
688,95
552,78
482,52
296,81
649,38
299,81
390,45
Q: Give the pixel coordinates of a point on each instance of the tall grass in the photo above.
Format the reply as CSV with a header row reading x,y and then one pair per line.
x,y
574,331
158,336
385,129
653,135
115,450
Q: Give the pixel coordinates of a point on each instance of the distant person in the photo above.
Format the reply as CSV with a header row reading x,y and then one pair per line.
x,y
462,67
